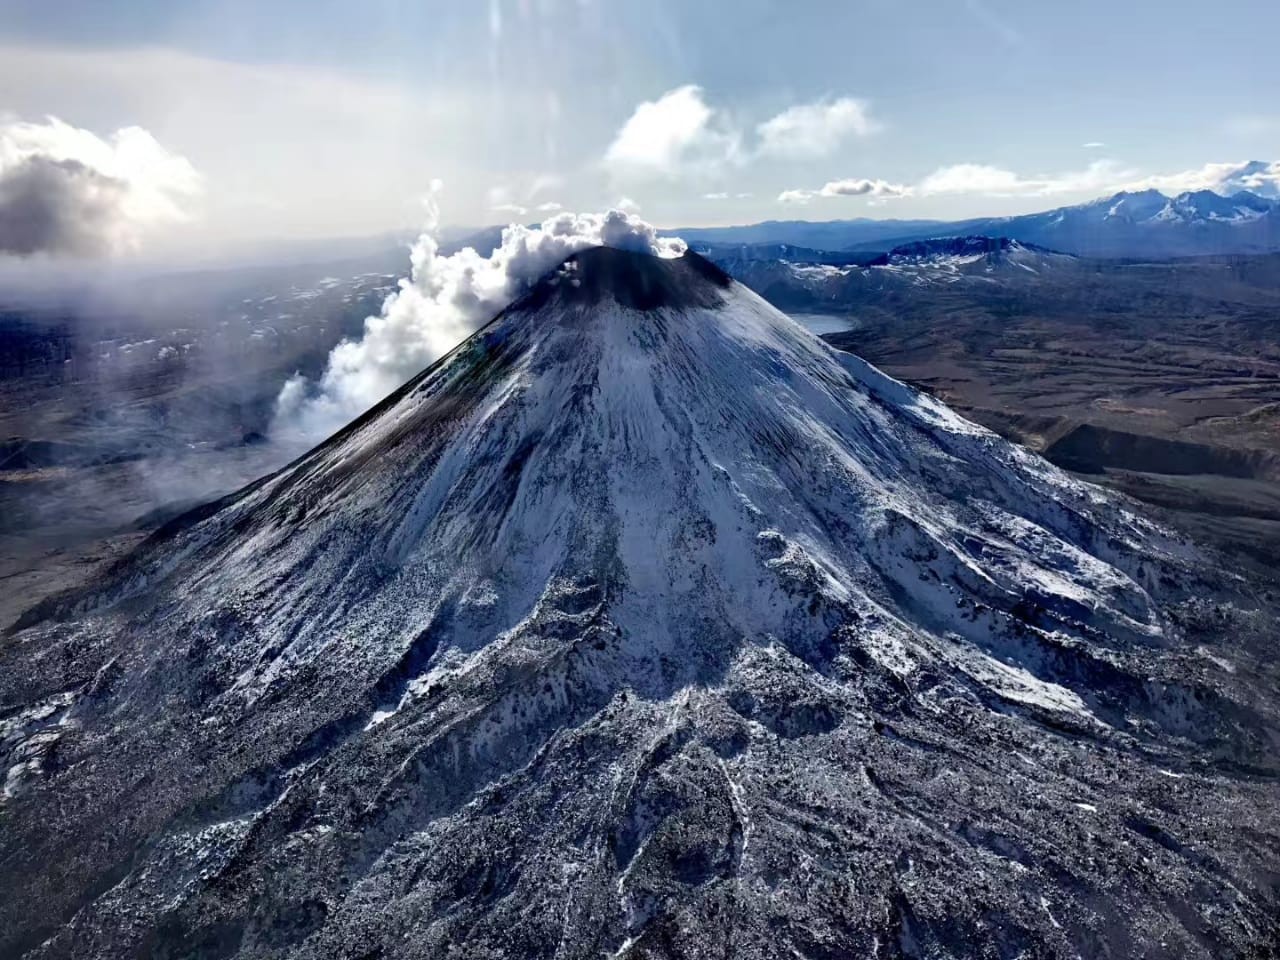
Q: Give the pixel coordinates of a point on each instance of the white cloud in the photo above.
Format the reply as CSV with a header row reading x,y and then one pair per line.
x,y
441,303
1255,176
64,190
852,187
513,208
627,205
1093,145
550,207
973,178
814,129
1099,178
715,196
1261,177
998,182
864,188
680,134
673,135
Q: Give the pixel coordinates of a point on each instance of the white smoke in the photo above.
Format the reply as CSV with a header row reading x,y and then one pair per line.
x,y
443,301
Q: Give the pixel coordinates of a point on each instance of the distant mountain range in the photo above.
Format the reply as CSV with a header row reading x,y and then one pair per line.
x,y
913,251
1142,224
811,281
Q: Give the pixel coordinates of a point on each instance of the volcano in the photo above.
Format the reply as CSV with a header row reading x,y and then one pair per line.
x,y
646,624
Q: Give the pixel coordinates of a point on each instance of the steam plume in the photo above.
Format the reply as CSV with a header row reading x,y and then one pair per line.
x,y
443,301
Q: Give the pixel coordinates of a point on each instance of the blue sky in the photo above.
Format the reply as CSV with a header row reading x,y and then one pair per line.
x,y
326,118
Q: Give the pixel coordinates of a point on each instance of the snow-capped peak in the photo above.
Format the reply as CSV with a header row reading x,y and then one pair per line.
x,y
1131,206
1205,205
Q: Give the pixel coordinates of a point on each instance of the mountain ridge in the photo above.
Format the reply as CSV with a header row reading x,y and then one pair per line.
x,y
1127,224
1147,224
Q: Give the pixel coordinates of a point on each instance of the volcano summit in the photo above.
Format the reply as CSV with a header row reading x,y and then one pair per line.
x,y
645,624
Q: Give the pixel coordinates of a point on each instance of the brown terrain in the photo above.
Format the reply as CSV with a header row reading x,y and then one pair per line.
x,y
1160,380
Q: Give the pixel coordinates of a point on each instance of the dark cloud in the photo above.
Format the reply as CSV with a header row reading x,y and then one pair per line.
x,y
59,207
65,191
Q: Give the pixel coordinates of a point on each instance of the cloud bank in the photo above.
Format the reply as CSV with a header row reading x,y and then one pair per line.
x,y
969,178
1256,176
443,301
998,182
68,192
1100,178
1103,177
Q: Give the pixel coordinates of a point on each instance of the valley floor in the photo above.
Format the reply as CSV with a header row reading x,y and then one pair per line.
x,y
1172,397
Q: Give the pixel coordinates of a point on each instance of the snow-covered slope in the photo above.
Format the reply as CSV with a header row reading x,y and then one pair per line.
x,y
1205,206
952,259
645,624
933,262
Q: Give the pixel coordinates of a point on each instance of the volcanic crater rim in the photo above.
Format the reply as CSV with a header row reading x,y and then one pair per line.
x,y
632,279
